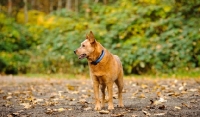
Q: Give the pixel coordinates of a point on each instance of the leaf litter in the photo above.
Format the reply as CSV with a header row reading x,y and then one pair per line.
x,y
75,98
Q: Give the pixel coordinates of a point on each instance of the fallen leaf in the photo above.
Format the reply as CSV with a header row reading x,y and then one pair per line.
x,y
159,114
161,107
39,100
26,105
82,101
15,114
117,115
162,100
20,111
131,109
157,102
71,88
183,104
10,115
151,102
180,88
159,94
193,90
193,101
184,92
175,81
134,116
134,85
9,97
177,107
142,96
61,109
88,108
103,112
146,113
1,91
60,93
144,86
4,97
49,111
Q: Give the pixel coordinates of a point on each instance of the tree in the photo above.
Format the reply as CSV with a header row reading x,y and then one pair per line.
x,y
51,4
68,4
9,7
25,11
59,4
76,5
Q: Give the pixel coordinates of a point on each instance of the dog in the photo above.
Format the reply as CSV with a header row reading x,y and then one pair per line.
x,y
105,70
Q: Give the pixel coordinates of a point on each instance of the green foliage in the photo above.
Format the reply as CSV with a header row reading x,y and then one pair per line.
x,y
149,36
14,42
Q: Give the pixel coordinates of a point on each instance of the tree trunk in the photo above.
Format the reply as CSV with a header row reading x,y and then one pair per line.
x,y
46,5
9,7
25,11
68,4
59,4
76,5
33,4
105,2
51,5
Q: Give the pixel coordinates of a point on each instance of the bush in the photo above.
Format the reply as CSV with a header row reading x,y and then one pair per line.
x,y
149,36
14,42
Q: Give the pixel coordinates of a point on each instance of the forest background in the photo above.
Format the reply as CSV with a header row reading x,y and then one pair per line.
x,y
150,36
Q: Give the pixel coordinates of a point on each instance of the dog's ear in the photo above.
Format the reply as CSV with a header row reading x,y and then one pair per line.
x,y
91,37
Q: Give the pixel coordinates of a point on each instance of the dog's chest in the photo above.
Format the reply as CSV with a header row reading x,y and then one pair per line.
x,y
98,70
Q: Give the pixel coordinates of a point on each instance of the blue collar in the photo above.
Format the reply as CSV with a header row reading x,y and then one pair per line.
x,y
99,59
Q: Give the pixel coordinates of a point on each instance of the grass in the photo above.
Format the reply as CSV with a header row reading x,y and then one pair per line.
x,y
180,74
60,76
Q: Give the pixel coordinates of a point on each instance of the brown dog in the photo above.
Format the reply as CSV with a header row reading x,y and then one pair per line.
x,y
105,69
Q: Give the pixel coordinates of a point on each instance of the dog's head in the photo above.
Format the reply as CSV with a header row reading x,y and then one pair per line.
x,y
87,46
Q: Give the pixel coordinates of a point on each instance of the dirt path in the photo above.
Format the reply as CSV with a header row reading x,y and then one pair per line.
x,y
26,97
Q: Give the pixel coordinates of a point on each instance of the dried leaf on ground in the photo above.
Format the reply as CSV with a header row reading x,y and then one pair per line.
x,y
103,112
117,115
177,107
144,86
134,116
88,108
142,96
26,105
146,113
162,107
159,114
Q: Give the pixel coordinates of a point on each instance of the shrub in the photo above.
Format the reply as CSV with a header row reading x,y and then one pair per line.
x,y
149,36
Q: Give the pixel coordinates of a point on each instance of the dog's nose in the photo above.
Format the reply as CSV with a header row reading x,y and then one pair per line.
x,y
74,51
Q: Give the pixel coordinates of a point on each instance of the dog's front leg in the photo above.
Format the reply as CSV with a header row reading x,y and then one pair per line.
x,y
96,94
103,87
110,95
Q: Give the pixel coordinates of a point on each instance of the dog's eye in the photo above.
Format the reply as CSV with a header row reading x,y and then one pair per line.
x,y
83,45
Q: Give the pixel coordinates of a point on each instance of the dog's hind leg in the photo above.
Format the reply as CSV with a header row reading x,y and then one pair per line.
x,y
120,84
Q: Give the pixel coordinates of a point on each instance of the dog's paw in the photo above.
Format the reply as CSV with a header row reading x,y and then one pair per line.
x,y
97,107
121,105
110,107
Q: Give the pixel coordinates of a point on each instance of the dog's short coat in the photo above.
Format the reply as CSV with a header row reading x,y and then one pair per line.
x,y
105,69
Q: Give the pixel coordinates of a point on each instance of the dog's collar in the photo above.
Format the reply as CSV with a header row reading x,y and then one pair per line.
x,y
99,59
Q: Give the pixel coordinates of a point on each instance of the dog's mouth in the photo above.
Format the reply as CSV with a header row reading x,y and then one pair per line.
x,y
82,56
